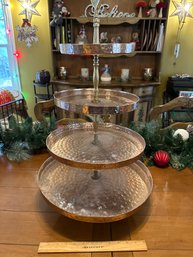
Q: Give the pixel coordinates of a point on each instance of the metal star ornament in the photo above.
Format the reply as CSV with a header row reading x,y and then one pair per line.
x,y
182,10
95,3
29,8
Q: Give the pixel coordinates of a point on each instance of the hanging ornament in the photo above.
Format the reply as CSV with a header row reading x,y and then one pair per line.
x,y
29,8
182,10
183,133
161,158
27,33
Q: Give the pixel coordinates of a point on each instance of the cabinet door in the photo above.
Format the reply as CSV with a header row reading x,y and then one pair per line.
x,y
143,91
141,113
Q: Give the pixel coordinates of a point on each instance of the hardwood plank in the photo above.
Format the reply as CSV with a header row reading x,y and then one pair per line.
x,y
18,178
33,228
102,254
164,253
23,200
101,232
168,204
163,232
123,254
20,174
168,179
32,251
35,159
121,231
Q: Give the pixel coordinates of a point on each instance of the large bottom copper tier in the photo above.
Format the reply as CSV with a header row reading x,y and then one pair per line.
x,y
98,196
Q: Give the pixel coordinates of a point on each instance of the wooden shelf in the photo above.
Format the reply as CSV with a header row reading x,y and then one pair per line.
x,y
110,20
36,84
115,21
119,55
42,96
114,83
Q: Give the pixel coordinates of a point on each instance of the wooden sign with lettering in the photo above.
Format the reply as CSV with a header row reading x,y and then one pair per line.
x,y
104,11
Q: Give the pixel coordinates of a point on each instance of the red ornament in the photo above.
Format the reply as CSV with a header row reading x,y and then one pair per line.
x,y
161,158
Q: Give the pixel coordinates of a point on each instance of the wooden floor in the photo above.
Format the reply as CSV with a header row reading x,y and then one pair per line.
x,y
165,222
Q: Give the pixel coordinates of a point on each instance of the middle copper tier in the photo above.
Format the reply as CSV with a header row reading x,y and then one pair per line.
x,y
95,146
108,101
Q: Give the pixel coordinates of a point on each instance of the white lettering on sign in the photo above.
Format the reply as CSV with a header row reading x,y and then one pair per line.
x,y
104,11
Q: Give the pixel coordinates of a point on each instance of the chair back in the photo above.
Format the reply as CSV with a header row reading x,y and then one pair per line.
x,y
177,113
48,106
43,107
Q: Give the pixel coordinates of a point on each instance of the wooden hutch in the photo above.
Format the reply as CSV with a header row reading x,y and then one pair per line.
x,y
151,32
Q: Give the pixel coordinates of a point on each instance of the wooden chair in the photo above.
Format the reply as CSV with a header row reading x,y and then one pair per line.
x,y
177,113
48,107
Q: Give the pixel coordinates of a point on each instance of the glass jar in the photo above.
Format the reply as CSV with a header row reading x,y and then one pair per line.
x,y
148,74
124,75
85,73
62,73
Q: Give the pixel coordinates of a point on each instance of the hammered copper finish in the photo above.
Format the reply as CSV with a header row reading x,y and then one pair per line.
x,y
109,101
74,192
75,145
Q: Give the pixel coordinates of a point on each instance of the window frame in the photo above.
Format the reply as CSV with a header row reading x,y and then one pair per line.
x,y
11,47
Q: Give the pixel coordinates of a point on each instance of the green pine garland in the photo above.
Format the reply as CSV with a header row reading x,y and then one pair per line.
x,y
180,152
20,139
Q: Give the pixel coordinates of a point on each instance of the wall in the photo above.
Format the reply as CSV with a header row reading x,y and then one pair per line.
x,y
184,63
38,56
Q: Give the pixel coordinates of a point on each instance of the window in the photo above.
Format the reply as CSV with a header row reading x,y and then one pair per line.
x,y
9,76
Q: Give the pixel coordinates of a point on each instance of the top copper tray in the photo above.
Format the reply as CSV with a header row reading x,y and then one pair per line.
x,y
97,49
109,101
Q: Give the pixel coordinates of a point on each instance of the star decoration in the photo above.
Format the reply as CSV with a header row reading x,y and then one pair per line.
x,y
182,10
95,3
29,8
